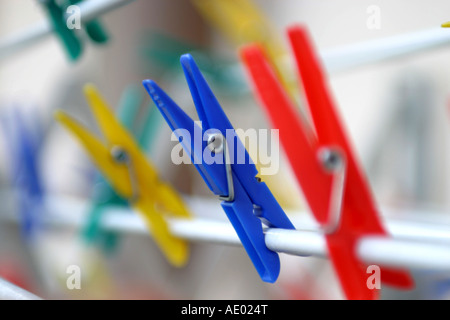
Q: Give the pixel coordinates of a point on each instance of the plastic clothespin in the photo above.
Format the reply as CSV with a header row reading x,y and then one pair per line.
x,y
133,177
225,166
162,52
105,196
68,37
24,143
324,164
242,22
94,28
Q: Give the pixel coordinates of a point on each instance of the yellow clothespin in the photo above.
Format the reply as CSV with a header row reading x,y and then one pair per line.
x,y
242,22
446,25
129,172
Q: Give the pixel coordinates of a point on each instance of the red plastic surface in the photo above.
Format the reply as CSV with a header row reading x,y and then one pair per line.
x,y
301,142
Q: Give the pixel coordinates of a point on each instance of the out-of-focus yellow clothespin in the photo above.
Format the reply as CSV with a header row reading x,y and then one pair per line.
x,y
243,22
446,24
129,172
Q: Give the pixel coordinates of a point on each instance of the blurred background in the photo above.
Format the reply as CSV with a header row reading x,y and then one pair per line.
x,y
396,112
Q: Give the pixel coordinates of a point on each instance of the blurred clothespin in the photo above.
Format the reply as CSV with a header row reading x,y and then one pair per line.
x,y
242,22
57,14
324,164
104,194
24,137
133,177
226,167
163,52
24,142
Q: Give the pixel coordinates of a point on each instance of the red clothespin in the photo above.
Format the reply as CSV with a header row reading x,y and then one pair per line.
x,y
324,164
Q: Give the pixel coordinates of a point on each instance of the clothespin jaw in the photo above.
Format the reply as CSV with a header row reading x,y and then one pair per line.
x,y
304,143
246,201
72,44
446,25
131,175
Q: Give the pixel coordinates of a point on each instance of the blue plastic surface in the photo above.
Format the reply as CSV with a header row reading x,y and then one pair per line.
x,y
249,192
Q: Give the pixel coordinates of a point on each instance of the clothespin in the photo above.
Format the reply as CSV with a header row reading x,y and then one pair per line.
x,y
104,195
242,22
94,28
133,177
163,52
24,143
446,25
324,164
229,173
68,37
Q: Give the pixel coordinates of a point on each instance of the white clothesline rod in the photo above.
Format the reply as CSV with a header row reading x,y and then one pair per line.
x,y
416,245
350,56
347,57
9,291
89,10
336,59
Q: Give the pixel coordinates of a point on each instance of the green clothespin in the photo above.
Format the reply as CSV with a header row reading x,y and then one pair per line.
x,y
94,28
105,196
68,37
164,51
73,45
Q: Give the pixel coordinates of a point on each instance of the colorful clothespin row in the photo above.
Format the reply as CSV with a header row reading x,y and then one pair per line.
x,y
133,177
225,166
68,37
104,194
324,164
242,22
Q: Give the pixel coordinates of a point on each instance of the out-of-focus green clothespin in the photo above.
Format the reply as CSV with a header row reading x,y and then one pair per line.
x,y
56,12
163,52
104,195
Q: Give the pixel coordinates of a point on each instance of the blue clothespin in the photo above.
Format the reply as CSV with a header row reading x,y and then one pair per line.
x,y
105,196
247,202
24,145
